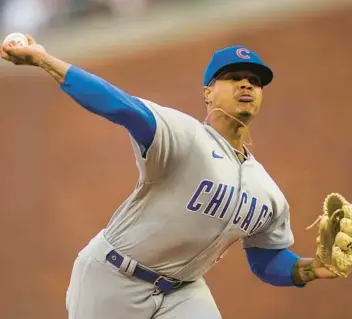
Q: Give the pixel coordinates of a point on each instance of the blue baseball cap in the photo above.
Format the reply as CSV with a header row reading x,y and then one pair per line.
x,y
240,58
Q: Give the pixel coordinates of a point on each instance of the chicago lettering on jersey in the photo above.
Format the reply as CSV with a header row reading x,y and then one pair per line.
x,y
250,216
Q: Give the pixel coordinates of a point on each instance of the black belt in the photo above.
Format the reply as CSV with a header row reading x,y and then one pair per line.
x,y
163,284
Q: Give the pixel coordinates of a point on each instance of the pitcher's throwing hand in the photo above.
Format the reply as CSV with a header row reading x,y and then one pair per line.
x,y
32,54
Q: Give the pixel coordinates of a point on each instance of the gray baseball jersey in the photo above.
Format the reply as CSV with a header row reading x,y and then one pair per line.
x,y
194,199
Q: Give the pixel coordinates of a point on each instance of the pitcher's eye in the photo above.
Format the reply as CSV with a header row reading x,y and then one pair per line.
x,y
255,81
233,77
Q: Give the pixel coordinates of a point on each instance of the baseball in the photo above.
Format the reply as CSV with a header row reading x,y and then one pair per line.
x,y
19,38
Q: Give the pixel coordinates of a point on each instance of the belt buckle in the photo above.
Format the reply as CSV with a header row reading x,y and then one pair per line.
x,y
177,285
157,280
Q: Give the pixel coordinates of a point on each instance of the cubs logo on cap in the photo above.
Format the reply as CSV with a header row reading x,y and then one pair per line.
x,y
238,58
243,53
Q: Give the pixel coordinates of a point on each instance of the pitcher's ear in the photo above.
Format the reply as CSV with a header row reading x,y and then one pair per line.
x,y
206,94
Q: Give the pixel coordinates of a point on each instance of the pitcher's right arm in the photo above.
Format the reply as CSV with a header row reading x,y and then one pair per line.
x,y
90,91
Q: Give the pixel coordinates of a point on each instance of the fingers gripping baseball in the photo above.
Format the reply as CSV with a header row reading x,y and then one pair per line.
x,y
21,50
335,235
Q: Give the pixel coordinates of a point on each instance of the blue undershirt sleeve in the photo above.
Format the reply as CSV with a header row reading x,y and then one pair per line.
x,y
104,99
272,266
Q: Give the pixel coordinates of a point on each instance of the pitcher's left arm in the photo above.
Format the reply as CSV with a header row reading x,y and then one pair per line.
x,y
282,267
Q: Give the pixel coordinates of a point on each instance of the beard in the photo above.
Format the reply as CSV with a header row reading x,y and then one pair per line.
x,y
245,111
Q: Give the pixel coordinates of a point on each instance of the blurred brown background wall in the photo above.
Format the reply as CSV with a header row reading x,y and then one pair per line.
x,y
64,170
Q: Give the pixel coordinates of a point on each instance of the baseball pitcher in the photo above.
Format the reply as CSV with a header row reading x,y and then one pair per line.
x,y
199,190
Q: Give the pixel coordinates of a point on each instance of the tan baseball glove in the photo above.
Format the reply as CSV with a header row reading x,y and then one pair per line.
x,y
335,231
